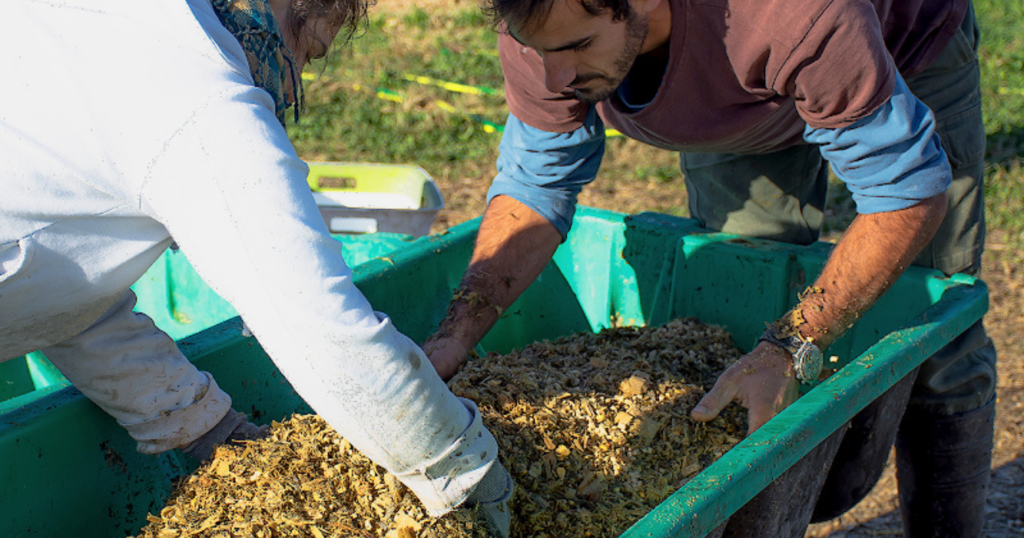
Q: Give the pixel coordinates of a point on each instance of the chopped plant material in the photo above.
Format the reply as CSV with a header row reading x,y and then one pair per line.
x,y
594,428
303,480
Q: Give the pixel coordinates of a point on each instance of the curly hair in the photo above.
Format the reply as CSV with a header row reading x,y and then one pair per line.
x,y
524,13
352,12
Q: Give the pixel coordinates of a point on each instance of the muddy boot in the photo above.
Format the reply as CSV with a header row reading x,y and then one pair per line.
x,y
943,466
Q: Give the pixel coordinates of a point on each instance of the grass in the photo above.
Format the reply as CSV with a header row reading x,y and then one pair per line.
x,y
346,120
1002,71
362,107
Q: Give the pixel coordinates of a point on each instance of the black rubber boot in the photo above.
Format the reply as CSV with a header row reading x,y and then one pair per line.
x,y
943,464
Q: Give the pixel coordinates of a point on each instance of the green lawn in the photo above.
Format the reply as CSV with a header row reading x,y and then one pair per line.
x,y
1002,71
362,106
407,122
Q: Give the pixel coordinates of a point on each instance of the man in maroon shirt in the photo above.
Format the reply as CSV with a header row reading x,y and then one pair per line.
x,y
757,95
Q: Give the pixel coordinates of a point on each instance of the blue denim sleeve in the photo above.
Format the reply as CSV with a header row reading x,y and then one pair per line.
x,y
546,171
891,159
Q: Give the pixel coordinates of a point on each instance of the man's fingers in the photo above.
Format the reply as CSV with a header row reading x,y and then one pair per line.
x,y
714,401
761,381
760,412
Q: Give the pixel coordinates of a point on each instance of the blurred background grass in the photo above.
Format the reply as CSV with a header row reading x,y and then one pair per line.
x,y
362,106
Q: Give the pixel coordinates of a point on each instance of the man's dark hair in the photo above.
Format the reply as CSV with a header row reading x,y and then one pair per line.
x,y
524,13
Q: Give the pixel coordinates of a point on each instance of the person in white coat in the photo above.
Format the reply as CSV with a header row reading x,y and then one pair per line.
x,y
126,126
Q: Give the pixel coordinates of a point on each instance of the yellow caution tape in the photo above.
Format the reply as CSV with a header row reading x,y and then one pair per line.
x,y
450,86
447,107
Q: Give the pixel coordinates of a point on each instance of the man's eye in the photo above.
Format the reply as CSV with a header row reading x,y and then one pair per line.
x,y
583,46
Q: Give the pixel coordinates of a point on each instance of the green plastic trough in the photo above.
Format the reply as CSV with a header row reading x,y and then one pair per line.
x,y
67,469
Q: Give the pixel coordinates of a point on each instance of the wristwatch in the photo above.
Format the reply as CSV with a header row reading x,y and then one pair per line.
x,y
807,357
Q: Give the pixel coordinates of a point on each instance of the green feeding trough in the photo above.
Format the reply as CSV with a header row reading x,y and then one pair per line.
x,y
67,469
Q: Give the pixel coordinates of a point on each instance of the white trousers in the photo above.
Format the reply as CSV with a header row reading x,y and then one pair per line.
x,y
135,373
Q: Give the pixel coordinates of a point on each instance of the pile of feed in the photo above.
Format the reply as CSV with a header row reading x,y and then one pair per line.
x,y
303,480
594,429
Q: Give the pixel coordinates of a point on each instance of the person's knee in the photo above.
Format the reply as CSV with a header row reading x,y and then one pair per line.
x,y
958,378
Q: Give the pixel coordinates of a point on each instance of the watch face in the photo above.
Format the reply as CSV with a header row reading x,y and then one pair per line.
x,y
808,362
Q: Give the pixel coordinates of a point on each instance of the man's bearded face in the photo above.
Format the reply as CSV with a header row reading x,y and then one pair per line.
x,y
588,54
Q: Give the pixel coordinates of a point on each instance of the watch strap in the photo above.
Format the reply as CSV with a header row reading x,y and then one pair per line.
x,y
807,361
789,343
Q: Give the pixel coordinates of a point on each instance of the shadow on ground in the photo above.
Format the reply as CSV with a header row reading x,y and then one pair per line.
x,y
1004,146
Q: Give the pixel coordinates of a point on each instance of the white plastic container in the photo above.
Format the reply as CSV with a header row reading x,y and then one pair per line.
x,y
358,198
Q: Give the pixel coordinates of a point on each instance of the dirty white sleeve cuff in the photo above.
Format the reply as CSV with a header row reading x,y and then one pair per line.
x,y
178,428
443,483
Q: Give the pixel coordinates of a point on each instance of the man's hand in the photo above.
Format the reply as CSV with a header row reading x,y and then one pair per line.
x,y
233,428
447,354
490,500
763,381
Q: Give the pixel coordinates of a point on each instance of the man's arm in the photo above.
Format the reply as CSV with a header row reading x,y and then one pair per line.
x,y
513,246
894,164
872,254
244,216
530,210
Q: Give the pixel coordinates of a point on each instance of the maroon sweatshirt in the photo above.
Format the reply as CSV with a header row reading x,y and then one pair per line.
x,y
736,69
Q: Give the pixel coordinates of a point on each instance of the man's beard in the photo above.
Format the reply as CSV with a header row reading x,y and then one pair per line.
x,y
636,32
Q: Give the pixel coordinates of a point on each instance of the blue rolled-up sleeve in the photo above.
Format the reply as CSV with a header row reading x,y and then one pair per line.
x,y
546,171
891,159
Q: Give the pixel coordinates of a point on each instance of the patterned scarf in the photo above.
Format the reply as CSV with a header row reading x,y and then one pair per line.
x,y
254,26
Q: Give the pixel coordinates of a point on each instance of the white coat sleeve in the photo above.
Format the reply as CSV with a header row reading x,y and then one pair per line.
x,y
233,194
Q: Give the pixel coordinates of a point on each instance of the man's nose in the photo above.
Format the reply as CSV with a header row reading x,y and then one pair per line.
x,y
559,71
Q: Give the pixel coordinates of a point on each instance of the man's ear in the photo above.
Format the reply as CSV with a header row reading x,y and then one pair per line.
x,y
645,7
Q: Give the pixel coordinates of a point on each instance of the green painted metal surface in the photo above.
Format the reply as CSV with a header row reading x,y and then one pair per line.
x,y
22,379
61,454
